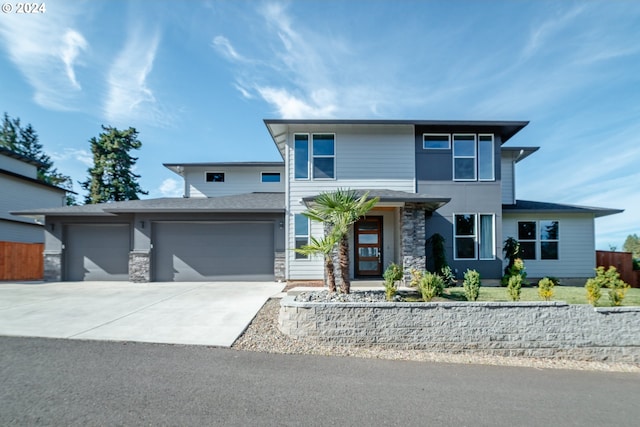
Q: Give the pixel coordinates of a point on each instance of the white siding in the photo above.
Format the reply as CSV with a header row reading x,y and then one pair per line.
x,y
367,157
18,166
16,195
577,256
237,180
508,178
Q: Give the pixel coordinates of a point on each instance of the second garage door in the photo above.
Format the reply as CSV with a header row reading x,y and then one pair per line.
x,y
202,251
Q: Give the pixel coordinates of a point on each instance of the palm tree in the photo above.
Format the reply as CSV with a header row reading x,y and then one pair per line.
x,y
325,247
341,209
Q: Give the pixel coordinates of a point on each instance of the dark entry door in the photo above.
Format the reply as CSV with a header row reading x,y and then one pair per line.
x,y
368,240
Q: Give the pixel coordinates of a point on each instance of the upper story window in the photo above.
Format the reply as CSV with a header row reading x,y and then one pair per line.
x,y
321,158
473,157
538,239
270,177
436,141
301,156
214,176
301,225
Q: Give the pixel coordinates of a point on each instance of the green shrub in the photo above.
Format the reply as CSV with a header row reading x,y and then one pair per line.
x,y
610,279
593,291
431,285
438,251
511,251
416,277
516,269
391,276
447,276
514,287
545,288
471,285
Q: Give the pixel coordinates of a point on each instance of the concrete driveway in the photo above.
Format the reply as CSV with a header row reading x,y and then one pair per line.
x,y
212,313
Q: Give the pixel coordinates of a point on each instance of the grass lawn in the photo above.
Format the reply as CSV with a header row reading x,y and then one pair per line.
x,y
569,294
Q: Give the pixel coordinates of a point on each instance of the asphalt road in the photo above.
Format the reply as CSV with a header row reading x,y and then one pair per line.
x,y
69,382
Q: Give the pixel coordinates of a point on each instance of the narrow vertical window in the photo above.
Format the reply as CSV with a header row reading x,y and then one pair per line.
x,y
549,238
487,244
464,157
486,168
301,233
323,156
301,153
465,236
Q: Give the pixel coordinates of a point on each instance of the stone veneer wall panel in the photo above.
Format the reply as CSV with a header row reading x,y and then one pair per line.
x,y
545,329
139,266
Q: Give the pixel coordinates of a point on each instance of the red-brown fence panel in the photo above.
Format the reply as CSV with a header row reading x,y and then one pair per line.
x,y
623,262
21,261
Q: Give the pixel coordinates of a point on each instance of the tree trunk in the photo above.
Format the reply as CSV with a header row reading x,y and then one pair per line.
x,y
343,254
331,276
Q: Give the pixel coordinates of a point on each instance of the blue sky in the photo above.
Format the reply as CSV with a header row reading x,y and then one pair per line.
x,y
196,79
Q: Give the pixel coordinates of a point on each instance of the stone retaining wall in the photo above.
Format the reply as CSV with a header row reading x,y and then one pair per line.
x,y
532,329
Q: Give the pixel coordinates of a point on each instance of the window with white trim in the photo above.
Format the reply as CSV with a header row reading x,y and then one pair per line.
x,y
301,156
214,176
539,240
486,158
270,177
301,226
474,236
436,141
324,156
464,157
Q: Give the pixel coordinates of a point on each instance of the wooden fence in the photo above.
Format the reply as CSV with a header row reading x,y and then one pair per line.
x,y
621,261
21,261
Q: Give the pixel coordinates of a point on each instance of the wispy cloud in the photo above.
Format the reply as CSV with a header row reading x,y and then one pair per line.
x,y
82,156
46,49
74,42
129,97
223,46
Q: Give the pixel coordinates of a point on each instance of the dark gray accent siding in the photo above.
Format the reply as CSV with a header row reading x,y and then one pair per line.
x,y
437,165
466,198
97,252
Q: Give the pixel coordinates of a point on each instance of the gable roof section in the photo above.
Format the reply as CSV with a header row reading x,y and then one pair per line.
x,y
278,128
527,206
250,202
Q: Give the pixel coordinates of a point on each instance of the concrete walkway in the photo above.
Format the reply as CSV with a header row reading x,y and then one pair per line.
x,y
176,313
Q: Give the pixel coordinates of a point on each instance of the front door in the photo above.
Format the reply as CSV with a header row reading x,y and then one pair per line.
x,y
368,240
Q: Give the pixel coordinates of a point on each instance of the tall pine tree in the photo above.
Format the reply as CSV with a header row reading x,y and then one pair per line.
x,y
111,178
24,141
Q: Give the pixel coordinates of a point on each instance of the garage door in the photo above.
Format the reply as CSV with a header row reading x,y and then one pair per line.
x,y
97,252
212,251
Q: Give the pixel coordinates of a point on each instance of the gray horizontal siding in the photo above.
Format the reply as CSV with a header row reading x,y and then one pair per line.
x,y
237,180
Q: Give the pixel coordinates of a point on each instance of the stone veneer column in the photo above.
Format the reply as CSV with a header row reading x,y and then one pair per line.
x,y
52,266
279,266
139,266
413,229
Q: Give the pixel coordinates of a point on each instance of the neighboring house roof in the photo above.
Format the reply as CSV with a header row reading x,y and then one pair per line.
x,y
250,202
506,129
391,196
33,181
21,157
179,167
522,152
527,206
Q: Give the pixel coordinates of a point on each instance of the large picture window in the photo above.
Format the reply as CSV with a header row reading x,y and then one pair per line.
x,y
301,224
464,157
473,155
474,236
539,239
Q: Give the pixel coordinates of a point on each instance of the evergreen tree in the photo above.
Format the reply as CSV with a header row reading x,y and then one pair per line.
x,y
24,141
111,178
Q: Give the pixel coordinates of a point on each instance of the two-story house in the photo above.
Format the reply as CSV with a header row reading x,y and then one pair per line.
x,y
242,221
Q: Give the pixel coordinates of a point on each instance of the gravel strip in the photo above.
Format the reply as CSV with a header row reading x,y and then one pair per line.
x,y
263,335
